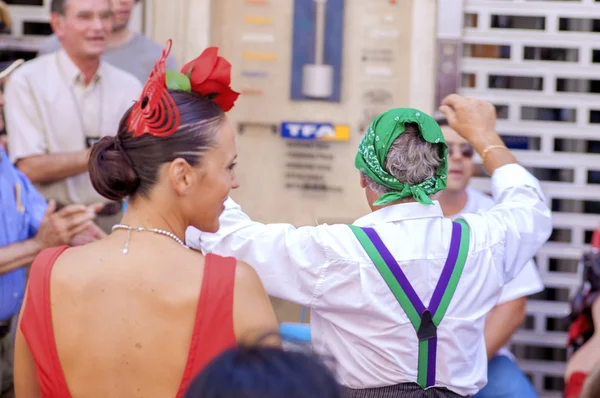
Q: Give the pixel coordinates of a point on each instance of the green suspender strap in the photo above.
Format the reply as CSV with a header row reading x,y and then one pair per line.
x,y
425,320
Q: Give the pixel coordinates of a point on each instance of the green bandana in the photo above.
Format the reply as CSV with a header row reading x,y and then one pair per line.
x,y
376,143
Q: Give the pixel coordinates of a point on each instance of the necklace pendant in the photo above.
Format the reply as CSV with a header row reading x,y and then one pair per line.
x,y
142,229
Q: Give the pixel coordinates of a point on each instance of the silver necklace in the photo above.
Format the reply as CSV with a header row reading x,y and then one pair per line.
x,y
142,229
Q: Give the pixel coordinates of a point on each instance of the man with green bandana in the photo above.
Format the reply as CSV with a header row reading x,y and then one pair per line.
x,y
399,297
376,144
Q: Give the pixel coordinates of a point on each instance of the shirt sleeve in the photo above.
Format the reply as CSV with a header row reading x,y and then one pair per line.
x,y
24,126
526,283
517,226
289,261
34,203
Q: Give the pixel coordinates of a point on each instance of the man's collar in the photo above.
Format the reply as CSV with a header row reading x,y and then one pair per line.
x,y
401,212
72,72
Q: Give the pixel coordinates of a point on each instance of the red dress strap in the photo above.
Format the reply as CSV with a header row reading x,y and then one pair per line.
x,y
36,326
213,328
575,384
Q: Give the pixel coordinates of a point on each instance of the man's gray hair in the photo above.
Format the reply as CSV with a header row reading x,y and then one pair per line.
x,y
411,160
58,6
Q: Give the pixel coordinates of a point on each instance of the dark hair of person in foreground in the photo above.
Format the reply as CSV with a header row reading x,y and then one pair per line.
x,y
265,372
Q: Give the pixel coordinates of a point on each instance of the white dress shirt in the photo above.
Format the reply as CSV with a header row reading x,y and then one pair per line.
x,y
49,109
355,318
527,282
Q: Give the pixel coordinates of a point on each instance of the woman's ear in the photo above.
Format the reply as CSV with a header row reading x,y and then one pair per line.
x,y
181,176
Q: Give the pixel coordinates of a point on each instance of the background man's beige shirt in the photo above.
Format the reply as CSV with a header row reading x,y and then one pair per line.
x,y
50,110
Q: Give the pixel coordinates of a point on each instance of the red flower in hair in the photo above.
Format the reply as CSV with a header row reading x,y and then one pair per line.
x,y
210,76
155,113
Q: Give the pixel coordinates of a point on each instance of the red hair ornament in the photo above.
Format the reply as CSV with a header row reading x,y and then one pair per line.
x,y
156,113
210,76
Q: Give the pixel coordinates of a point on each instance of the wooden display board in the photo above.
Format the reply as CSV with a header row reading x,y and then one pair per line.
x,y
309,181
387,61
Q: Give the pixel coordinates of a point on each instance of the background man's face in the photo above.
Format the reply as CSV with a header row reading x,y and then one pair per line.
x,y
460,160
84,28
121,13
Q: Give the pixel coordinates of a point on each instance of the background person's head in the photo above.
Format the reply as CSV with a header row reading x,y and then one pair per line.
x,y
402,158
121,13
264,372
190,171
460,158
82,26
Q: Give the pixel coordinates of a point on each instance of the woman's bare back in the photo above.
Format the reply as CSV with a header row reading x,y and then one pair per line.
x,y
123,323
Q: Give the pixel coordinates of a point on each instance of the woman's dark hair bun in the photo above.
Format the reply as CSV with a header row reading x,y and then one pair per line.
x,y
111,171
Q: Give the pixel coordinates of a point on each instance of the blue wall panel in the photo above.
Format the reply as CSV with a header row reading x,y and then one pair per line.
x,y
303,44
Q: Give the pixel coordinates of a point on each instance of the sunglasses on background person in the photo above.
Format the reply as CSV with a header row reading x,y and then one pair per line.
x,y
464,149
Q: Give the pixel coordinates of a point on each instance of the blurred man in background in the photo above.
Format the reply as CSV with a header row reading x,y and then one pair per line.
x,y
505,379
60,104
127,50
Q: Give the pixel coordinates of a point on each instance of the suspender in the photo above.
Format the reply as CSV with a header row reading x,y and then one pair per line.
x,y
425,320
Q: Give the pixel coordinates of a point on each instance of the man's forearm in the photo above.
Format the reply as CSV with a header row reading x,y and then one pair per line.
x,y
53,167
18,255
497,155
501,323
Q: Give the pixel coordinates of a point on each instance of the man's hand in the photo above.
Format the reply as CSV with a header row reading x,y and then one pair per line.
x,y
473,119
59,227
88,235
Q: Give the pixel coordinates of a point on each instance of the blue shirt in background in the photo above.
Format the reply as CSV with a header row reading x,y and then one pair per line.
x,y
22,209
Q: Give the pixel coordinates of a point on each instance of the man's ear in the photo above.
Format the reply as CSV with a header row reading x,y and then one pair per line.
x,y
56,22
363,181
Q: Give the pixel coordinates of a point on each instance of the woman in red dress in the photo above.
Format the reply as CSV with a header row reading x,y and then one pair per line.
x,y
584,339
138,313
586,358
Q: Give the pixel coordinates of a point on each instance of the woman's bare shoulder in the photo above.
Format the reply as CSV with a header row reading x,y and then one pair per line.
x,y
107,253
246,278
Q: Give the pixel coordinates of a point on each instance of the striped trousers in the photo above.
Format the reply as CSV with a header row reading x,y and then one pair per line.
x,y
403,390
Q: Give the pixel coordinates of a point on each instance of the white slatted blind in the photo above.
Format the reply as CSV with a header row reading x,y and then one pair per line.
x,y
539,62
